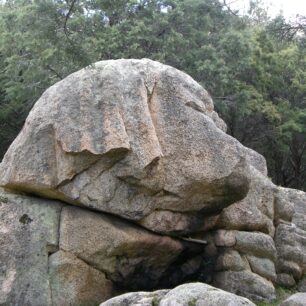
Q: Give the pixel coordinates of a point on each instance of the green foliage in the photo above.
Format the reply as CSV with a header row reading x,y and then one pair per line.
x,y
257,79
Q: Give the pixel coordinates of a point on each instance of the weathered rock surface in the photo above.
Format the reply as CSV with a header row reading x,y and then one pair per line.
x,y
245,263
256,211
73,282
290,236
137,298
245,283
262,266
121,250
297,199
285,280
166,197
257,244
189,294
284,208
138,137
28,233
281,260
231,260
297,299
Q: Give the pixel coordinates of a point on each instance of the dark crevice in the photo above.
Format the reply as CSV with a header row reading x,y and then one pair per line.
x,y
52,249
188,266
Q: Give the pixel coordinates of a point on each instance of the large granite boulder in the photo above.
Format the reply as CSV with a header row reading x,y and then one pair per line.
x,y
131,138
144,185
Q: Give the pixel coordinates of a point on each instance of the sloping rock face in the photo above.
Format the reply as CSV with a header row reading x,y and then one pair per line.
x,y
188,294
145,186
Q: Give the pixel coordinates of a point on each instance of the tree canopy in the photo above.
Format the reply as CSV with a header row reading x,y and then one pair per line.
x,y
254,67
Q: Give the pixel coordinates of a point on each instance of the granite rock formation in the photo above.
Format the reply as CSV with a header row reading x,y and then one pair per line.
x,y
290,238
123,171
130,138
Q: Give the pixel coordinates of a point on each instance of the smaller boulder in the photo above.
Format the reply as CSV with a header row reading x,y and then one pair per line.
x,y
225,238
257,244
246,283
284,208
285,280
188,294
297,299
302,284
263,267
230,260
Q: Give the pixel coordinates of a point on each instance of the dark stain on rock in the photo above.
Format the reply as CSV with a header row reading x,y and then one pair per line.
x,y
25,219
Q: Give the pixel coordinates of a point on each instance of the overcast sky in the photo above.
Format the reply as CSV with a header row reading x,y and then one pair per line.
x,y
290,8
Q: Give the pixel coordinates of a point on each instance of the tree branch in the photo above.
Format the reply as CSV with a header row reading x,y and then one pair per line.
x,y
71,7
228,7
55,72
